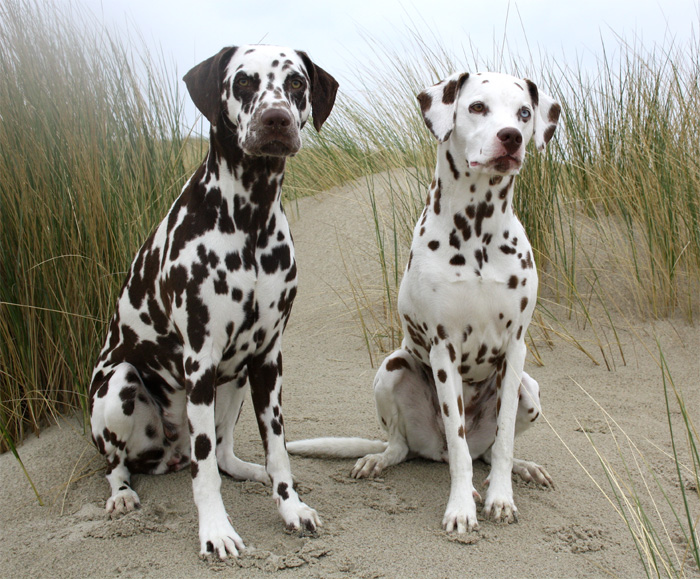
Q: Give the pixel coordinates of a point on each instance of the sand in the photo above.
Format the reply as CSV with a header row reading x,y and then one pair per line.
x,y
388,527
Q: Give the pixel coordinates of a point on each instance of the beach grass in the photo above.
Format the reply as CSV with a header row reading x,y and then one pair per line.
x,y
91,155
611,208
93,151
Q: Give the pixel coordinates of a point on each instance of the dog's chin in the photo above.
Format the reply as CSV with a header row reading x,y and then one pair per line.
x,y
505,165
278,149
273,148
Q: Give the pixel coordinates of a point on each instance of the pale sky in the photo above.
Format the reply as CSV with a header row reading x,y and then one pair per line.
x,y
334,33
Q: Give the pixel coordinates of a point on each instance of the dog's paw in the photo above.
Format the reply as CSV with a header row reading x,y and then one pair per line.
x,y
218,538
122,502
298,516
370,466
460,516
532,472
500,508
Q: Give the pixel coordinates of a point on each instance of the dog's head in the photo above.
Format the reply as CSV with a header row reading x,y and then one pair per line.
x,y
490,118
265,93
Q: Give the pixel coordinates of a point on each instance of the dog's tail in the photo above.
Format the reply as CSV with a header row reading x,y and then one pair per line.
x,y
333,447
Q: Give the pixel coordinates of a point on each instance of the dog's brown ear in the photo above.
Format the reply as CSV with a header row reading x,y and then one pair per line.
x,y
204,83
438,104
546,116
323,90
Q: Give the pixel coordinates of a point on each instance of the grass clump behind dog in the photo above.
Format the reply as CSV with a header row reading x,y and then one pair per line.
x,y
91,155
612,209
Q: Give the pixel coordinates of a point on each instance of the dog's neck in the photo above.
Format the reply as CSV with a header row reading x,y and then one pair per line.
x,y
486,199
253,179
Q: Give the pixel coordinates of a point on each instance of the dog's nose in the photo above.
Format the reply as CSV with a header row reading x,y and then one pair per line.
x,y
511,139
276,119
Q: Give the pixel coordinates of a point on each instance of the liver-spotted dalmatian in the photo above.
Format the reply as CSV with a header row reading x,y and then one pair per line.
x,y
456,390
200,317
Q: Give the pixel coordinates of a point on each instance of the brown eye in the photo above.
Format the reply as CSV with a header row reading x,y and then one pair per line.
x,y
296,84
243,81
477,107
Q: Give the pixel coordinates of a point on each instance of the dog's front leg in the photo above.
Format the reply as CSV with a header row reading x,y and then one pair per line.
x,y
499,504
460,514
216,533
265,376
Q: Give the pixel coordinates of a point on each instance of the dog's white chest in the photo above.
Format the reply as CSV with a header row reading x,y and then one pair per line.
x,y
479,292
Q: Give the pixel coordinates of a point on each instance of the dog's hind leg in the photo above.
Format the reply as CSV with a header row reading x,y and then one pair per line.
x,y
229,401
406,410
528,411
123,416
529,406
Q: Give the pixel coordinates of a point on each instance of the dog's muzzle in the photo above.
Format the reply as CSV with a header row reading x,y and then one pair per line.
x,y
511,141
273,133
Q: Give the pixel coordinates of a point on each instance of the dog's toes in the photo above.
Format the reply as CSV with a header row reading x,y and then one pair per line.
x,y
122,502
370,466
460,516
501,510
532,472
541,476
219,539
299,517
309,519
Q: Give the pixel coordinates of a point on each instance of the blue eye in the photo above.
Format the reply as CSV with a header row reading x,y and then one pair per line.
x,y
525,114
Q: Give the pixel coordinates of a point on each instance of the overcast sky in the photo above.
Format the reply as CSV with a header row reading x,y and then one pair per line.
x,y
334,33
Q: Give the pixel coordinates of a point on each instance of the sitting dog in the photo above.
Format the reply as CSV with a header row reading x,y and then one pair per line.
x,y
456,390
200,317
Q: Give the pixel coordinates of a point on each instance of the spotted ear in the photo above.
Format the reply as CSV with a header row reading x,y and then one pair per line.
x,y
204,83
546,117
323,90
438,105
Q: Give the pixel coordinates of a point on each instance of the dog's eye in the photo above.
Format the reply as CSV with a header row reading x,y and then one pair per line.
x,y
525,114
243,81
296,84
477,107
